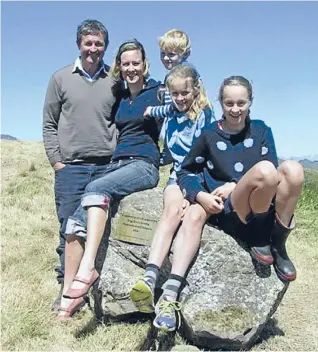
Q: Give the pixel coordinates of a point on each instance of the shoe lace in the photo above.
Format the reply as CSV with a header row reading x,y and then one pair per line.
x,y
170,309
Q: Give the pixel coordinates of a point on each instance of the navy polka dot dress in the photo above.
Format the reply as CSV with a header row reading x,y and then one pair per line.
x,y
218,157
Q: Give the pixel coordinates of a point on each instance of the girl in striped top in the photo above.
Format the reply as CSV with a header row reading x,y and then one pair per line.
x,y
185,124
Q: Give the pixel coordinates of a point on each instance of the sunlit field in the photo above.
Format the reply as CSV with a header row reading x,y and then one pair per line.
x,y
29,237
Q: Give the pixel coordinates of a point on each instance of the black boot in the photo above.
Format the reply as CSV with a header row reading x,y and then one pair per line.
x,y
285,269
262,254
260,225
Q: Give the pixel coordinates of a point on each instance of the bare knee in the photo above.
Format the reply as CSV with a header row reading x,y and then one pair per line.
x,y
195,217
266,174
292,172
172,213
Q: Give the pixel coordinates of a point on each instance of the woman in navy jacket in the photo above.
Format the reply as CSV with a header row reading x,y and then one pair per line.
x,y
134,167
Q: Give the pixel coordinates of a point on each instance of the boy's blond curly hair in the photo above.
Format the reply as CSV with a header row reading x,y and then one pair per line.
x,y
175,40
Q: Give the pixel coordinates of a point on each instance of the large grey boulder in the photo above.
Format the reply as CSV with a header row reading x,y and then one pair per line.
x,y
228,299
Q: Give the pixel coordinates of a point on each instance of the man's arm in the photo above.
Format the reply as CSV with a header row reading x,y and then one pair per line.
x,y
51,115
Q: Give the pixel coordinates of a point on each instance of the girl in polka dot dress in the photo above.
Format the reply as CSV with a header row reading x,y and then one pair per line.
x,y
185,123
232,176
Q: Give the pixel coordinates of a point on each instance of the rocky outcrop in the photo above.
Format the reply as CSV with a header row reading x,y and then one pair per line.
x,y
227,299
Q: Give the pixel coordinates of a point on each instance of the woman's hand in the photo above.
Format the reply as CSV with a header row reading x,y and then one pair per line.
x,y
224,191
211,203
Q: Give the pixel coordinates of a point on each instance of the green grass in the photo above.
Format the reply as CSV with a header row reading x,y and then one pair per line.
x,y
308,201
28,287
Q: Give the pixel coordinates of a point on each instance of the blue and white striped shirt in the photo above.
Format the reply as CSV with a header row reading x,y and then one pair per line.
x,y
181,132
168,107
164,110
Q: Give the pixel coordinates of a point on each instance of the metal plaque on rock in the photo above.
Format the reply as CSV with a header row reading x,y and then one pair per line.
x,y
135,228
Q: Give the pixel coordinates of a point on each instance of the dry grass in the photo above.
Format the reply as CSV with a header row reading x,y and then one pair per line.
x,y
28,241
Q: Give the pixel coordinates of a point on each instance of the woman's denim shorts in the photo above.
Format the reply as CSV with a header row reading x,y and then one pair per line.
x,y
121,178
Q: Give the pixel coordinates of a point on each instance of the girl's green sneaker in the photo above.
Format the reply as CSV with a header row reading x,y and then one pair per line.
x,y
142,296
167,314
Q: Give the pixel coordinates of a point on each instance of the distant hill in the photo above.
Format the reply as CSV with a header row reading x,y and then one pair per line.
x,y
311,157
307,164
8,137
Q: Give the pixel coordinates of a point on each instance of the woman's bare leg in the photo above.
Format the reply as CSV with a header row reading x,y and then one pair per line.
x,y
96,221
74,250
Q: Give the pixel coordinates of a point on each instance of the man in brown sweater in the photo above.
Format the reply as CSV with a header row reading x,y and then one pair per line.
x,y
78,125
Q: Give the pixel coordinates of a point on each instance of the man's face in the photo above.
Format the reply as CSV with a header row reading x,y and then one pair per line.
x,y
92,48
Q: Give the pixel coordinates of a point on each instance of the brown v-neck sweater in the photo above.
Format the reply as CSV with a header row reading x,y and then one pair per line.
x,y
78,116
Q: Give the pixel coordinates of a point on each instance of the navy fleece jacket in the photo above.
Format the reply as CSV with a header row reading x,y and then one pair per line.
x,y
138,137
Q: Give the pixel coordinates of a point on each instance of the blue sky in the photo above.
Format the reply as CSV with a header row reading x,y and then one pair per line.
x,y
274,44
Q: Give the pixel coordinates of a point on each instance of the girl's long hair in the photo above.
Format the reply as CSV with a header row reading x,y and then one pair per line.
x,y
201,100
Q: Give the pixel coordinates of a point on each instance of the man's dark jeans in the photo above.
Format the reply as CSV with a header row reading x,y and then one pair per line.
x,y
70,183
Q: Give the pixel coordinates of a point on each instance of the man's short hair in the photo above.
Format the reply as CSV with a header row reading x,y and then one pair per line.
x,y
91,27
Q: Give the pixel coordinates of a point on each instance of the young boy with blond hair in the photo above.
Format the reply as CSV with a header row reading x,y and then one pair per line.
x,y
175,48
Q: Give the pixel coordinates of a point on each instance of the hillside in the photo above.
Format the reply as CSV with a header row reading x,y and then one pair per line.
x,y
306,163
309,164
8,137
30,236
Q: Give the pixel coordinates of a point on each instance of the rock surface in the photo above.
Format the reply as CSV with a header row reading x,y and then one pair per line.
x,y
227,299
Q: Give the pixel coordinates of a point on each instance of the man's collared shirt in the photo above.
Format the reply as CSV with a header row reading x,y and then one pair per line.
x,y
78,67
